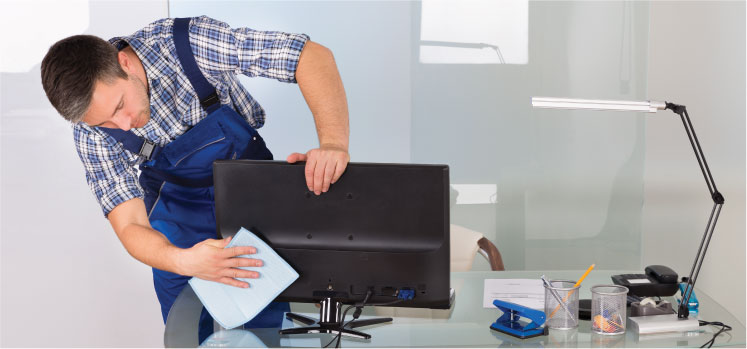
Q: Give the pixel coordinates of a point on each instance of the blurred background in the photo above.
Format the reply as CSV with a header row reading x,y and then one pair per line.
x,y
445,82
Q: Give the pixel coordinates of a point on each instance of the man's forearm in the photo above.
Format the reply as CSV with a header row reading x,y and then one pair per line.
x,y
130,222
151,247
208,260
322,88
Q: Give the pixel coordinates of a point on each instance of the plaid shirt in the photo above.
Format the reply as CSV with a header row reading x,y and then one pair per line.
x,y
221,53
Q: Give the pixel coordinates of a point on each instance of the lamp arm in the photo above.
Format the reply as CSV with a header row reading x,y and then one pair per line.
x,y
718,202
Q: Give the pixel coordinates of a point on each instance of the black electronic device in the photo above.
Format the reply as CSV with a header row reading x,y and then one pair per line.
x,y
381,231
658,280
584,309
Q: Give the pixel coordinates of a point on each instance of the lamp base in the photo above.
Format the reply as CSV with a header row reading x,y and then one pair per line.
x,y
662,323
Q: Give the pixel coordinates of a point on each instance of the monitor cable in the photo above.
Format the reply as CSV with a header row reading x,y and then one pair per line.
x,y
724,328
356,315
338,337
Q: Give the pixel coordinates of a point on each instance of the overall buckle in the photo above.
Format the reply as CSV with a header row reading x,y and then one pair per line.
x,y
147,149
210,100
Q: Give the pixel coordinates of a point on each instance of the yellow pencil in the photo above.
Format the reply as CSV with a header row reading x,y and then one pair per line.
x,y
578,283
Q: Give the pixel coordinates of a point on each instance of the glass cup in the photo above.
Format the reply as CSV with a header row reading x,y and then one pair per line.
x,y
608,306
562,339
556,315
605,341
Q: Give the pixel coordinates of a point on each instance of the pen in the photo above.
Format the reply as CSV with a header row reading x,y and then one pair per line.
x,y
557,297
578,283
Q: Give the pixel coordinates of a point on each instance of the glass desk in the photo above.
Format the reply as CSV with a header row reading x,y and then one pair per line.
x,y
466,324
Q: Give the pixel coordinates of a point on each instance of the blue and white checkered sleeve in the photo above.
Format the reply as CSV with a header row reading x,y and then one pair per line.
x,y
219,48
110,174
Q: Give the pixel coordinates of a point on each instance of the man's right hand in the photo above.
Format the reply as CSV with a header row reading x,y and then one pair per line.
x,y
210,260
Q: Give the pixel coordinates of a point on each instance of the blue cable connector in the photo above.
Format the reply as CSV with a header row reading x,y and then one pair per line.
x,y
406,294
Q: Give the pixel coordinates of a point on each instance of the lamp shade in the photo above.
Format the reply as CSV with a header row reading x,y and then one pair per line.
x,y
595,104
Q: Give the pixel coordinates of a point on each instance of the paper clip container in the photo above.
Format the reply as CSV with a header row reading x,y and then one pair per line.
x,y
608,306
556,315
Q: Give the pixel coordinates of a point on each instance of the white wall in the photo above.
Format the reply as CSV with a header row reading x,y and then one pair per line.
x,y
66,279
697,58
374,65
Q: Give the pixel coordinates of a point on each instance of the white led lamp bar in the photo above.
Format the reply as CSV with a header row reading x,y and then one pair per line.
x,y
594,104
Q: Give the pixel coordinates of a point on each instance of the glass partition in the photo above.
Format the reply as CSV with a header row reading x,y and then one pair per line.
x,y
451,82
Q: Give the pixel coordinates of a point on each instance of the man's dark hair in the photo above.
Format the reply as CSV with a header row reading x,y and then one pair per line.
x,y
70,70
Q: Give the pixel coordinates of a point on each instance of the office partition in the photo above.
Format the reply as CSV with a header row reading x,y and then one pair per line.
x,y
450,82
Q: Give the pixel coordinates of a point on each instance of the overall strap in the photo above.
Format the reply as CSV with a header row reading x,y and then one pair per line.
x,y
205,91
133,143
150,150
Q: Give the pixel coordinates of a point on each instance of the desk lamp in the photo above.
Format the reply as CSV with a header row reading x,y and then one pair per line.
x,y
659,323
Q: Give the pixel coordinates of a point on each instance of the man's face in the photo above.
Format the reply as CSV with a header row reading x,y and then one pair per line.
x,y
122,104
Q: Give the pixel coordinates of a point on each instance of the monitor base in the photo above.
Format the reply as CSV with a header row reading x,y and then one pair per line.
x,y
330,319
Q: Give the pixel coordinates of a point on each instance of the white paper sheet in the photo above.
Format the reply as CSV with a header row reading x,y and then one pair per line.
x,y
527,292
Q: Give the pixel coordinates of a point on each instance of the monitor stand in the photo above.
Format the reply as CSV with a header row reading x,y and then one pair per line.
x,y
330,316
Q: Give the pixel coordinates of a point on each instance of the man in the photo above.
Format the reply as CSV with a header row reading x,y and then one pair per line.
x,y
167,100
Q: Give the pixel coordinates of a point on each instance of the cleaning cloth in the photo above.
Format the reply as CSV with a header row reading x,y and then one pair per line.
x,y
233,306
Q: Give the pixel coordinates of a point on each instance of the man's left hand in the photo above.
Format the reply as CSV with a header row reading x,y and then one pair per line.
x,y
324,166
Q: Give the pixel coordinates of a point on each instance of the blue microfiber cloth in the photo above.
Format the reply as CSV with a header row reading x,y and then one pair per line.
x,y
232,306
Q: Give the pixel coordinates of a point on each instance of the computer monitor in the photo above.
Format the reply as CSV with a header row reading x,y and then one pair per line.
x,y
381,227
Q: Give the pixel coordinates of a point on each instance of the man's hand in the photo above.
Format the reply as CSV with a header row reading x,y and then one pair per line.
x,y
322,88
324,166
209,260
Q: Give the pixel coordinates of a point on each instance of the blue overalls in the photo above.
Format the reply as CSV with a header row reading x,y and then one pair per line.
x,y
178,180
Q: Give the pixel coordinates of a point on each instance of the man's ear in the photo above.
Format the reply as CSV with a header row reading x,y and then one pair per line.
x,y
124,61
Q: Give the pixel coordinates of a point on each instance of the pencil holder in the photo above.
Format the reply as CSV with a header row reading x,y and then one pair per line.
x,y
608,305
561,316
